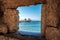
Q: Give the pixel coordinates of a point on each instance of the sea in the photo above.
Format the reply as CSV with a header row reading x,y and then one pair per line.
x,y
32,28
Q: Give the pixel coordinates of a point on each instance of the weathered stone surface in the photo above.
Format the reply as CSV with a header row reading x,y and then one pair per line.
x,y
2,37
52,33
11,19
51,13
16,3
3,28
50,19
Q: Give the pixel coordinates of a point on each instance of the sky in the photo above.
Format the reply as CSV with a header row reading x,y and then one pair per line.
x,y
33,12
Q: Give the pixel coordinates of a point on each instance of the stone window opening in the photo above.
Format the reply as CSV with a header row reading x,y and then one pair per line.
x,y
40,8
50,18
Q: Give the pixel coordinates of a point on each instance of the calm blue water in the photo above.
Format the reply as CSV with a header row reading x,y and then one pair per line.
x,y
30,28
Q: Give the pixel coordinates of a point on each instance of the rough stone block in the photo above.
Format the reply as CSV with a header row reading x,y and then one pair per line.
x,y
11,19
52,33
3,28
16,3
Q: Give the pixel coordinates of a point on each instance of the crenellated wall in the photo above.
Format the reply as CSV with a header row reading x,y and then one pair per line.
x,y
9,19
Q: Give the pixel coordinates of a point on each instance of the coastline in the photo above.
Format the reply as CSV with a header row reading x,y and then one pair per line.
x,y
26,37
30,21
29,33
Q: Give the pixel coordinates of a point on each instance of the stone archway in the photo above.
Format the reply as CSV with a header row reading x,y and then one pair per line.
x,y
50,18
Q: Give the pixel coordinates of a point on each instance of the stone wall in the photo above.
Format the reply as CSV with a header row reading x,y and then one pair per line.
x,y
16,3
50,20
9,19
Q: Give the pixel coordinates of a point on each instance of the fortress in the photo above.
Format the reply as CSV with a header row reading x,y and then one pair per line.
x,y
9,19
